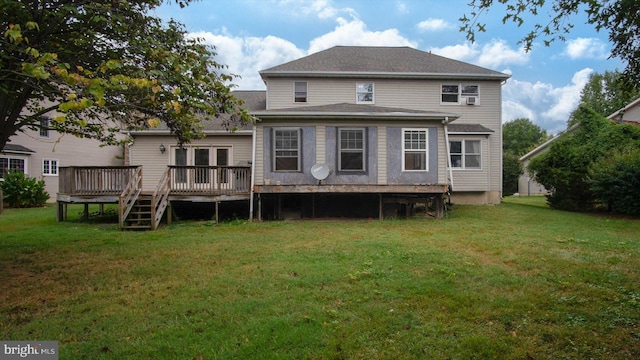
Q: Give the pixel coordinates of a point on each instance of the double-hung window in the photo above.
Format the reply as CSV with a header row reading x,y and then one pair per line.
x,y
466,154
286,150
50,167
300,91
44,127
364,93
415,150
351,149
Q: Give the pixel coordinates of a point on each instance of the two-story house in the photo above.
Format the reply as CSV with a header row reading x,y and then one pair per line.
x,y
345,132
370,130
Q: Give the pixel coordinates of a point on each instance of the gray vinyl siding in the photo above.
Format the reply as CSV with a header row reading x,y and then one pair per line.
x,y
145,152
383,151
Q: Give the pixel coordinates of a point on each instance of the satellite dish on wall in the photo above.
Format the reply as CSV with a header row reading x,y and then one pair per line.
x,y
320,171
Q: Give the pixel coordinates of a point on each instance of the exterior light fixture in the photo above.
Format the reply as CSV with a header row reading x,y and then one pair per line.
x,y
162,148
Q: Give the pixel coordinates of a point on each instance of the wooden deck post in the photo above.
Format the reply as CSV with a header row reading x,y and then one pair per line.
x,y
86,211
439,206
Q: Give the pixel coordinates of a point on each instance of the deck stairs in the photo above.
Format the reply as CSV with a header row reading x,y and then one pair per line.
x,y
140,217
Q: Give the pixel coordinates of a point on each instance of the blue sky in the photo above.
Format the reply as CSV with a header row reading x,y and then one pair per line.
x,y
251,35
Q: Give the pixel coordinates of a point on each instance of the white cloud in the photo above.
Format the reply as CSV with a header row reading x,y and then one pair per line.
x,y
323,9
246,56
355,33
586,48
545,105
498,53
434,25
402,7
463,52
492,55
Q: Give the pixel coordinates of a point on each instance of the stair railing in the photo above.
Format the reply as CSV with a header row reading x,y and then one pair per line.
x,y
129,196
160,199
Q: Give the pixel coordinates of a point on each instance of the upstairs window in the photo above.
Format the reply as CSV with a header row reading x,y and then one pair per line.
x,y
414,150
450,94
44,127
286,149
50,167
364,93
459,93
465,154
351,149
300,91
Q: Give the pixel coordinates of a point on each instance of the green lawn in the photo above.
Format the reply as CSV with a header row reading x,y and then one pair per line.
x,y
514,281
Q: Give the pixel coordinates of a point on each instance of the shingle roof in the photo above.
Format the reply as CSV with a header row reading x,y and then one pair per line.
x,y
353,110
16,148
252,101
469,128
386,61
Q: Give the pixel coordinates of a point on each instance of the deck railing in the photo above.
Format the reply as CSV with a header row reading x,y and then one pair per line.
x,y
183,180
95,180
218,180
129,195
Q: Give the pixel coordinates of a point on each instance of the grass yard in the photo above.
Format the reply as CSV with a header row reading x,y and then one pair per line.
x,y
514,281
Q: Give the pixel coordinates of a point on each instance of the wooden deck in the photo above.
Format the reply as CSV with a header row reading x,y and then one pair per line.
x,y
123,185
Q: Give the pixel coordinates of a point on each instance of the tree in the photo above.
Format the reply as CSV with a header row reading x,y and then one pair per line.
x,y
104,66
569,170
621,18
518,137
521,135
605,94
511,171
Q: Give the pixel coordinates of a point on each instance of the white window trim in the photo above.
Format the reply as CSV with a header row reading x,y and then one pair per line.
x,y
462,98
23,158
51,161
363,151
273,147
463,167
190,152
306,94
426,150
373,93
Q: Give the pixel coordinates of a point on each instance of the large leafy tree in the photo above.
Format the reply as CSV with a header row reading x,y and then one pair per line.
x,y
605,94
518,137
521,135
105,65
620,18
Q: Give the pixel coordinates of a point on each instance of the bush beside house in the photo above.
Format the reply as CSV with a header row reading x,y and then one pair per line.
x,y
595,165
23,191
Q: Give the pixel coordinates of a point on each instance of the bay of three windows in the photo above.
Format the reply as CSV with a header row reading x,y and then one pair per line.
x,y
450,93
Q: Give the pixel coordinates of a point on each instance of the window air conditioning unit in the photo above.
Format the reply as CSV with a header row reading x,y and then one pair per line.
x,y
471,100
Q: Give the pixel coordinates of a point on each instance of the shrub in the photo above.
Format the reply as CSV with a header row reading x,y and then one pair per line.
x,y
564,169
615,182
23,191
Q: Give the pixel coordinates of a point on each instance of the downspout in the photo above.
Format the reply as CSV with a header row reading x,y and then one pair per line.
x,y
446,140
253,172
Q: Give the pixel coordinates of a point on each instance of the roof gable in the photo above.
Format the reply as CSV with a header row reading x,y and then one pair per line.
x,y
385,61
